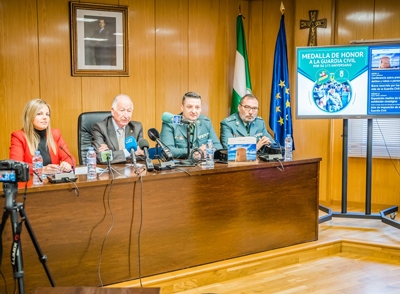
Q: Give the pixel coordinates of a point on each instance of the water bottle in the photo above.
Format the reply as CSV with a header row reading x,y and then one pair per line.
x,y
288,148
91,164
209,154
37,165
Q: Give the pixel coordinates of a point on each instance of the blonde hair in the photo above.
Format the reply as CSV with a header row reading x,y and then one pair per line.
x,y
30,111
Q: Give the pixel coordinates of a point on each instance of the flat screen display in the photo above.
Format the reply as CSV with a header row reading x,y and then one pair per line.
x,y
348,82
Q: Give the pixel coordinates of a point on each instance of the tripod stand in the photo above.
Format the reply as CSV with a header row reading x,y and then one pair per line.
x,y
12,209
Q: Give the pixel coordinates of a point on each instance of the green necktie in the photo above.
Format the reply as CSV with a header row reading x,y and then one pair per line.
x,y
248,128
192,127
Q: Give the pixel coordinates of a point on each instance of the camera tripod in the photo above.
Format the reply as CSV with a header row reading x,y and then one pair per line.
x,y
12,209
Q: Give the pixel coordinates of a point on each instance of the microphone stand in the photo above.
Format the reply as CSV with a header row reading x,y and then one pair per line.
x,y
110,168
157,156
188,161
188,140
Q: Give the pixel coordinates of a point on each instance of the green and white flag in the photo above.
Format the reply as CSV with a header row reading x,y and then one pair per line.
x,y
241,78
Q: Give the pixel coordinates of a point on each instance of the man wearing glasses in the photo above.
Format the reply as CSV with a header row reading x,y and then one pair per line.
x,y
245,123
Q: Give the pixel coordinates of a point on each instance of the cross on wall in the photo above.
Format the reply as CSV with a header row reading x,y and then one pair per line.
x,y
313,24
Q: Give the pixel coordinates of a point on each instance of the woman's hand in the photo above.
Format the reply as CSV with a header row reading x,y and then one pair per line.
x,y
65,167
50,169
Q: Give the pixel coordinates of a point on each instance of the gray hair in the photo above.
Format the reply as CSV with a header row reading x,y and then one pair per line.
x,y
190,95
120,96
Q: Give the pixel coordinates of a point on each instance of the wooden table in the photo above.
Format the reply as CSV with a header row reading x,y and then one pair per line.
x,y
189,219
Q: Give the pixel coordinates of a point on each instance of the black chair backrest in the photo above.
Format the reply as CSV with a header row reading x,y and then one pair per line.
x,y
85,123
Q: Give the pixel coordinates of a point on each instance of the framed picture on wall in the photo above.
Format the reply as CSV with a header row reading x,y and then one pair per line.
x,y
99,39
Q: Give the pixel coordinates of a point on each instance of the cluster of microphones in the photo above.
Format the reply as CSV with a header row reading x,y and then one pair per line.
x,y
131,144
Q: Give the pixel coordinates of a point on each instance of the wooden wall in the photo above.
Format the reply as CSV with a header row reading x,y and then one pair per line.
x,y
175,47
187,45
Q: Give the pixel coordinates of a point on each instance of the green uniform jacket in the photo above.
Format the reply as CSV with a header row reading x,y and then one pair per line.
x,y
174,136
233,126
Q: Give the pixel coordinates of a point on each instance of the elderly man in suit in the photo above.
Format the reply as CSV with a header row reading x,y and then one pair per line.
x,y
245,123
201,129
110,134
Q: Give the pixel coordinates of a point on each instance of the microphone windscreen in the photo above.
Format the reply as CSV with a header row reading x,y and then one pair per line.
x,y
167,117
153,134
105,154
130,143
143,143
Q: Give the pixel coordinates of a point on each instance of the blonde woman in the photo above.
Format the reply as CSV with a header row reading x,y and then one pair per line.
x,y
36,134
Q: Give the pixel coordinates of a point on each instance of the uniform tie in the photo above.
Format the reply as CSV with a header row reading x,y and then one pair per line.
x,y
248,128
192,127
121,143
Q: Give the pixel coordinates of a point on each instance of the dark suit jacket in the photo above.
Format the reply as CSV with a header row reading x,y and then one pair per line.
x,y
104,133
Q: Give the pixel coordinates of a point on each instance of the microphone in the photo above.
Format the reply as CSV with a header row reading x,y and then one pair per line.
x,y
144,145
106,156
154,135
175,119
70,157
131,146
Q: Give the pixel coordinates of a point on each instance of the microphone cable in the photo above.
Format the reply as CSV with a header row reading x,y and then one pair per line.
x,y
280,161
140,227
76,189
138,171
112,219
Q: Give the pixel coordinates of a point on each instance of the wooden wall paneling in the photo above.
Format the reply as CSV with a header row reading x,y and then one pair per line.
x,y
99,92
386,19
202,33
140,85
171,56
354,20
19,70
313,136
224,57
255,48
57,86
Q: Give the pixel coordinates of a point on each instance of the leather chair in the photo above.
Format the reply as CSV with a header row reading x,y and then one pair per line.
x,y
85,123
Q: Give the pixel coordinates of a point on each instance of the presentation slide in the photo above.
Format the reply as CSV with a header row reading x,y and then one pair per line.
x,y
348,81
384,80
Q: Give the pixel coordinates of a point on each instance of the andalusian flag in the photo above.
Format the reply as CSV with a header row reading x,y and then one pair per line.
x,y
280,117
241,79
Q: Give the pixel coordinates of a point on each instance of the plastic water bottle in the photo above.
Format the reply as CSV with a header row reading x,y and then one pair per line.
x,y
209,154
288,148
91,164
37,164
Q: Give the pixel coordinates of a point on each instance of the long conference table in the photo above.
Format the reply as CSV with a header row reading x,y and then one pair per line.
x,y
190,216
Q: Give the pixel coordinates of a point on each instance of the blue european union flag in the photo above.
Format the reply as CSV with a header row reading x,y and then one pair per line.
x,y
280,118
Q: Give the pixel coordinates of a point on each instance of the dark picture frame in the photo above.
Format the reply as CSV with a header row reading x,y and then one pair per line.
x,y
99,39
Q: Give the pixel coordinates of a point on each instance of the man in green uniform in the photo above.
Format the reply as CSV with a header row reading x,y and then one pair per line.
x,y
245,123
201,129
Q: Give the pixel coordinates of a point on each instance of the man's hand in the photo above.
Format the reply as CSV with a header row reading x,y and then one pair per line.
x,y
103,147
264,140
139,151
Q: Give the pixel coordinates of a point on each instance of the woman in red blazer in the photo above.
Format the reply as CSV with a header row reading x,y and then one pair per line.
x,y
36,134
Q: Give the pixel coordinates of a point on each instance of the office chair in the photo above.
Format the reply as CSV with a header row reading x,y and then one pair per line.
x,y
86,121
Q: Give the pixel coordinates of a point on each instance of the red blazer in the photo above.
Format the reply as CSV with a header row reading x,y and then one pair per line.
x,y
19,149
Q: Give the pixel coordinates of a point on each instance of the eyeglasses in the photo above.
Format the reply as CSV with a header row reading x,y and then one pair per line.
x,y
248,108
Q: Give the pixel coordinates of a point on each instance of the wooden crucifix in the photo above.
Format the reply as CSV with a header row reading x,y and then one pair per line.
x,y
312,24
